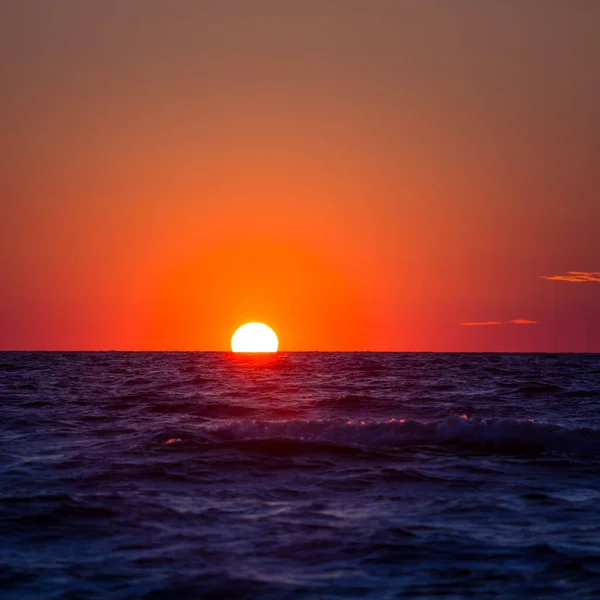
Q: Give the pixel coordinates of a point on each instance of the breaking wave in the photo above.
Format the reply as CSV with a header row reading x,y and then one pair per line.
x,y
509,435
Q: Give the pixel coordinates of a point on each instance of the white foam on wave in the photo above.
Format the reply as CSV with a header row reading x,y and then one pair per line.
x,y
487,433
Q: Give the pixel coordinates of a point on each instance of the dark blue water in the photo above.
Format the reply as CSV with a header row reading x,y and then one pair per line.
x,y
207,475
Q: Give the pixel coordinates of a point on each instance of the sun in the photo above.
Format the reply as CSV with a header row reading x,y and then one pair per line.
x,y
254,337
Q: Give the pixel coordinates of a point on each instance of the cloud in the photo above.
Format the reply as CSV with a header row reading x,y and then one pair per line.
x,y
511,322
575,277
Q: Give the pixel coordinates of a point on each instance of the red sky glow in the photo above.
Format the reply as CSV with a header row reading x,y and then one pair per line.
x,y
385,175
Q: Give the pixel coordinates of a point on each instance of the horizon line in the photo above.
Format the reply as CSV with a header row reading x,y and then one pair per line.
x,y
98,351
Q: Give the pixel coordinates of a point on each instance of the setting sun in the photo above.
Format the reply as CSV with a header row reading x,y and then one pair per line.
x,y
254,337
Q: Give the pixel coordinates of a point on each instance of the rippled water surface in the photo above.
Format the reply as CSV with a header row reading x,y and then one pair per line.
x,y
299,475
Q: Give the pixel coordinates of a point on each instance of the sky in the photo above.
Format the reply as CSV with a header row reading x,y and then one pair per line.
x,y
407,175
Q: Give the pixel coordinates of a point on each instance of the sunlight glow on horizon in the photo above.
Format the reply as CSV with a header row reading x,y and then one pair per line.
x,y
254,337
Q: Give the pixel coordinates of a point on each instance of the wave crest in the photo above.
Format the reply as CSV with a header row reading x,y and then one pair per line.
x,y
508,435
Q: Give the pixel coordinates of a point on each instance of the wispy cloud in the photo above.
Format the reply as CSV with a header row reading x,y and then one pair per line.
x,y
511,322
575,277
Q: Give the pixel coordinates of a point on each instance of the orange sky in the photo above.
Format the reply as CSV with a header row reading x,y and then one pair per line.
x,y
360,175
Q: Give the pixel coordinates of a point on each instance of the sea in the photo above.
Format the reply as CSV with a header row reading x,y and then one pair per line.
x,y
299,475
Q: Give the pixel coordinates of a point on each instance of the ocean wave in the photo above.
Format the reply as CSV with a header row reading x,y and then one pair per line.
x,y
508,435
540,388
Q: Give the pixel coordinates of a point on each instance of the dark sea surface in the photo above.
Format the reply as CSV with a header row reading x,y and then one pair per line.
x,y
299,475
